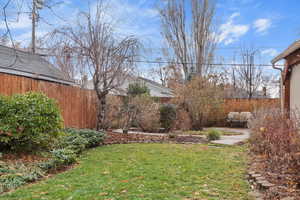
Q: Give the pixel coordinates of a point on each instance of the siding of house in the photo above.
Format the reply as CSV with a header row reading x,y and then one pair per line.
x,y
295,88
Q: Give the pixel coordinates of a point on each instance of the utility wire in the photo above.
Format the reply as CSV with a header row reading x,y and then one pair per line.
x,y
191,63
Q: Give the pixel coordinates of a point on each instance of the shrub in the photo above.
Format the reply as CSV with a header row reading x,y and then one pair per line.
x,y
147,116
11,181
60,158
200,97
183,121
74,142
213,134
14,175
28,121
63,156
92,137
276,136
136,89
167,116
114,108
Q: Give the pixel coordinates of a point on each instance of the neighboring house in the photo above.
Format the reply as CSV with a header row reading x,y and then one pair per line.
x,y
290,76
156,89
21,63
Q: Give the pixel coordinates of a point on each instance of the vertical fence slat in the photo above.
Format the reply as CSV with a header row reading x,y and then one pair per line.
x,y
77,106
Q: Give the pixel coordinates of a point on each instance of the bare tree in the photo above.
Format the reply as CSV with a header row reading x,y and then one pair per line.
x,y
161,72
65,58
250,76
192,45
247,78
109,59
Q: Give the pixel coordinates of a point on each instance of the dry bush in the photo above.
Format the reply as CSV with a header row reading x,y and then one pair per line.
x,y
114,106
148,115
183,121
275,134
200,97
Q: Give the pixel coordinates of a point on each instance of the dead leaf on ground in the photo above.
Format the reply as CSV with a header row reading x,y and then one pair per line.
x,y
103,194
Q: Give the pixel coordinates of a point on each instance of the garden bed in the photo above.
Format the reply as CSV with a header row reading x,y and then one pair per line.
x,y
120,138
282,185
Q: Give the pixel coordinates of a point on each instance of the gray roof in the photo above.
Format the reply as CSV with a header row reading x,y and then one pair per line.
x,y
26,64
156,89
292,48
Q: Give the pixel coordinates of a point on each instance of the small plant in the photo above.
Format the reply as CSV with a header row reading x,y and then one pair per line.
x,y
167,116
172,135
213,135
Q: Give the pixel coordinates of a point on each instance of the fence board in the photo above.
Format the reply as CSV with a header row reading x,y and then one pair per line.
x,y
78,106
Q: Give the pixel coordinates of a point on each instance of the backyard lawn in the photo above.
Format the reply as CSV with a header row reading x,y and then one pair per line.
x,y
147,171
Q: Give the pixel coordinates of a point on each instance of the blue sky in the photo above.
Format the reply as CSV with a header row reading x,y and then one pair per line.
x,y
268,25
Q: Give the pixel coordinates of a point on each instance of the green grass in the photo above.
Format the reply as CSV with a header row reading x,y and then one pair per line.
x,y
147,171
205,132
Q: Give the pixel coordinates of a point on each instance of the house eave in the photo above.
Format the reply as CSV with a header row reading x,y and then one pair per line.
x,y
292,48
18,72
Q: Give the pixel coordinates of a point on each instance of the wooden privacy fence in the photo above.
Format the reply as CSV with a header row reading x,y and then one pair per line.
x,y
218,117
78,106
249,105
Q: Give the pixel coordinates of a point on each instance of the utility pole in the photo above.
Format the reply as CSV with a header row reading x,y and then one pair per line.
x,y
33,25
36,5
251,75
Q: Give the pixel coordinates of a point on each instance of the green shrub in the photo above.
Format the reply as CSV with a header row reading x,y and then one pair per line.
x,y
167,116
64,156
11,181
213,135
136,89
93,138
28,121
60,158
14,175
74,142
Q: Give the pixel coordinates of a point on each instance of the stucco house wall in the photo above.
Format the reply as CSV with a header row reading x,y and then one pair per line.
x,y
295,88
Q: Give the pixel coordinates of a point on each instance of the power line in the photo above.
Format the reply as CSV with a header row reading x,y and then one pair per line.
x,y
187,63
192,63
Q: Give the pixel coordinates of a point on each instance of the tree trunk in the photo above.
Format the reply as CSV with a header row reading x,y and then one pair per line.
x,y
101,118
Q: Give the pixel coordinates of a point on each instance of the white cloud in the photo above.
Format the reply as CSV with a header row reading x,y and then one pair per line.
x,y
262,25
231,32
139,19
270,52
22,21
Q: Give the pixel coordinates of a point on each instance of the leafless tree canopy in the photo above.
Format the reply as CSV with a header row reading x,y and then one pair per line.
x,y
109,59
193,43
248,80
63,56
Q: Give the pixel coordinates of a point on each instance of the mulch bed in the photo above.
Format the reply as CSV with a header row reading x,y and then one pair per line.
x,y
119,138
22,158
287,184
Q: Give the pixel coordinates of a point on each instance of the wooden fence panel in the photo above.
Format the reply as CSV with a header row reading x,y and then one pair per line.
x,y
78,106
249,105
